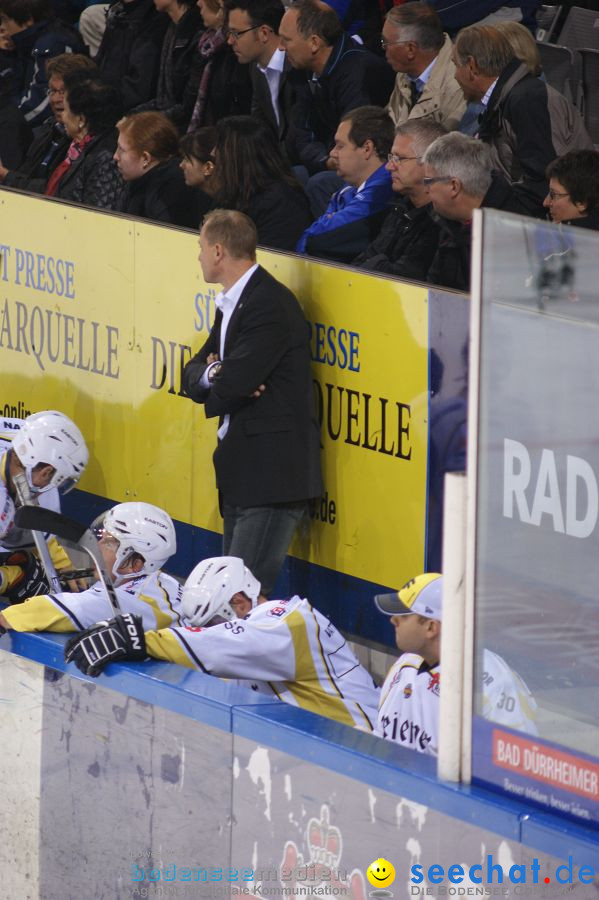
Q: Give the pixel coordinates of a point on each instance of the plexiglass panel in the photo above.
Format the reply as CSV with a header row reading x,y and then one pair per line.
x,y
537,548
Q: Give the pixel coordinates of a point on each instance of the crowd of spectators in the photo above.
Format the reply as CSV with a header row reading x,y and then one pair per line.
x,y
361,133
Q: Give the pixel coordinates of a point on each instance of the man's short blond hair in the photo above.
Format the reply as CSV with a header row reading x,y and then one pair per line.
x,y
234,230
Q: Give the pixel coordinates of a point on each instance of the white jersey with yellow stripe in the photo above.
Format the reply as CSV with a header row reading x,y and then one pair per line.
x,y
290,649
409,708
155,597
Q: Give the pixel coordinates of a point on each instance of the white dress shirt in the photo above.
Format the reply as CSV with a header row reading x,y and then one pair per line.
x,y
227,301
272,72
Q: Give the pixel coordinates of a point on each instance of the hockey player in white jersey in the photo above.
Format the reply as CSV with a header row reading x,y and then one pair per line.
x,y
409,704
49,450
283,647
135,540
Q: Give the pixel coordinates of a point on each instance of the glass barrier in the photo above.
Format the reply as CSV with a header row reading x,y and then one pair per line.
x,y
537,561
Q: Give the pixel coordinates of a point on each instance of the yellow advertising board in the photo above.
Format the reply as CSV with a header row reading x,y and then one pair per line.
x,y
98,315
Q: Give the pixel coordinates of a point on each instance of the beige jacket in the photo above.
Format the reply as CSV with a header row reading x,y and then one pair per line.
x,y
441,99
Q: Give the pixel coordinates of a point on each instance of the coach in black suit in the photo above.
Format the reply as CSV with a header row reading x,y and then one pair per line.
x,y
254,373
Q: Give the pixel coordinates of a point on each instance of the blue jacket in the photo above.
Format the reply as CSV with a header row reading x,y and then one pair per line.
x,y
351,221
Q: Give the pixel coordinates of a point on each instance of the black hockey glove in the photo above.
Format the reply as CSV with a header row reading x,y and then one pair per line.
x,y
120,638
21,576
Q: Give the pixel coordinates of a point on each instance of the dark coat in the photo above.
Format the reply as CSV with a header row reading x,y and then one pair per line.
x,y
129,54
271,451
591,221
451,265
33,47
47,149
230,91
353,76
528,124
161,195
175,92
15,136
262,102
406,244
93,179
280,213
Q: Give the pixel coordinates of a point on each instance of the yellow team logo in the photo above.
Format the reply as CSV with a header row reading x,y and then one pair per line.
x,y
380,873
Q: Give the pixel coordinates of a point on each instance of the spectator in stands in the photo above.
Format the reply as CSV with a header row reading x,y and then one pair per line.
x,y
253,177
31,35
51,141
418,50
15,133
175,95
338,75
224,84
148,162
459,175
88,174
573,196
523,44
253,33
355,213
129,54
526,122
408,239
197,164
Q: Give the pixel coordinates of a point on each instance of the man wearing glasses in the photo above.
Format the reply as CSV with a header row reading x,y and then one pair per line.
x,y
253,34
407,242
458,172
419,51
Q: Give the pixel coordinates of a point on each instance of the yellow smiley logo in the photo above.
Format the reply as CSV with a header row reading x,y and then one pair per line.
x,y
380,873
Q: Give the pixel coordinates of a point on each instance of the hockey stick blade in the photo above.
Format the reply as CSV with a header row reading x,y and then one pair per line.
x,y
36,518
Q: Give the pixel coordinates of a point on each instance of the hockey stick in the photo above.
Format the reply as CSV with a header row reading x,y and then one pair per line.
x,y
39,519
27,499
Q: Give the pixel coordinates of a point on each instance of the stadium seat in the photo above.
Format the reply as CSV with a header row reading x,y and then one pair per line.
x,y
590,92
561,69
547,19
581,29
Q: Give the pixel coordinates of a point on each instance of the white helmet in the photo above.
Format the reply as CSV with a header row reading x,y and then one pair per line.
x,y
211,585
139,528
50,437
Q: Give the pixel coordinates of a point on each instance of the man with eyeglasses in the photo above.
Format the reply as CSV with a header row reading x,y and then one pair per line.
x,y
51,141
407,242
253,34
458,172
419,51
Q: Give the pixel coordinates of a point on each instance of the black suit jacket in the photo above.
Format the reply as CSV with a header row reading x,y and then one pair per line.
x,y
262,107
271,451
